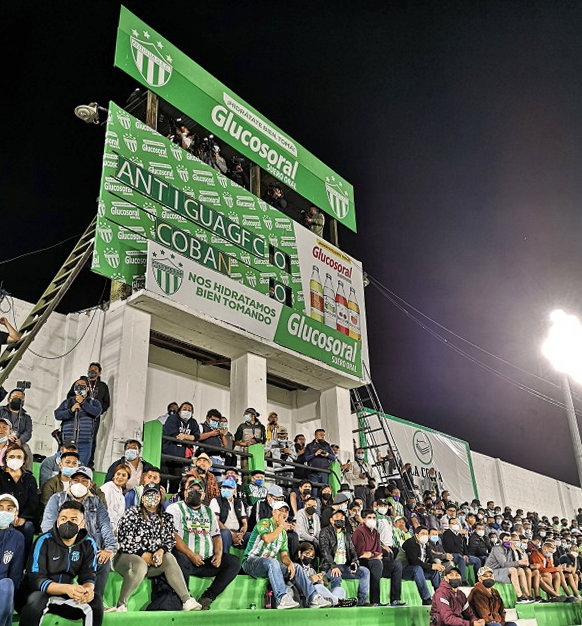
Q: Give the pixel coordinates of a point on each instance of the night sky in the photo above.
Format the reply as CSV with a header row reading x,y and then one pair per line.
x,y
458,123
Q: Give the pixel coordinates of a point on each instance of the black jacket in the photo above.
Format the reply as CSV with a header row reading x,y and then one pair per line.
x,y
146,466
51,561
328,547
479,546
454,543
411,549
100,392
25,491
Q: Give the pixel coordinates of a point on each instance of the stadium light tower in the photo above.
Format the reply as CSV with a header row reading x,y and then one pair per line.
x,y
563,348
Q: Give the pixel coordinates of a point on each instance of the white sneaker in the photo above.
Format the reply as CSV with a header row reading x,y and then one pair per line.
x,y
191,605
319,602
122,608
287,602
109,609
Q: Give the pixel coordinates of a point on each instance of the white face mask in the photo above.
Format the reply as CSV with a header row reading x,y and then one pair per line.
x,y
382,510
78,490
455,528
371,523
480,533
185,415
423,539
14,464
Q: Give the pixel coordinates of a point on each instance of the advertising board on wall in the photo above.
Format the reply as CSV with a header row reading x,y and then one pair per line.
x,y
158,65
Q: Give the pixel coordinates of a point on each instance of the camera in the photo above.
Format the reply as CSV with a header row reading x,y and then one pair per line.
x,y
237,160
23,384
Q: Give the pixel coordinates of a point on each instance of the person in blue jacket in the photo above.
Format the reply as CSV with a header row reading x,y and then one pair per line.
x,y
183,427
11,557
77,415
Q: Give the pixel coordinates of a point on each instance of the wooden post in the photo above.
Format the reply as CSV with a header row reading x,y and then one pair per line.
x,y
333,238
256,180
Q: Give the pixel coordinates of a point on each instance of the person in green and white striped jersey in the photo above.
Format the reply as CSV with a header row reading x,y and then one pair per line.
x,y
198,542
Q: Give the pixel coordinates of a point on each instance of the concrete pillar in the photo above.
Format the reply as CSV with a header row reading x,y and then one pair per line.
x,y
336,419
124,358
248,387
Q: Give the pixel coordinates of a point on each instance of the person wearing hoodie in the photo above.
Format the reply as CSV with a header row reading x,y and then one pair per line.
x,y
11,557
61,572
486,601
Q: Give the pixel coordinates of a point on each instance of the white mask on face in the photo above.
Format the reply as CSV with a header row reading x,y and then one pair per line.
x,y
371,523
480,533
78,490
423,539
14,464
455,528
382,510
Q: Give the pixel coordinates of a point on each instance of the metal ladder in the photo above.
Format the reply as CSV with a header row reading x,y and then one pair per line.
x,y
374,430
49,300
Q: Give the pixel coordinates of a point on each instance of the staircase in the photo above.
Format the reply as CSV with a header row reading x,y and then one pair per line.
x,y
49,300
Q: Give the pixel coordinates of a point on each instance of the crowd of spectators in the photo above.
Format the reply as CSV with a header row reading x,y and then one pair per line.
x,y
205,514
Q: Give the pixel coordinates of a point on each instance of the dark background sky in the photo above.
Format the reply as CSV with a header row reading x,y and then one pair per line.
x,y
458,123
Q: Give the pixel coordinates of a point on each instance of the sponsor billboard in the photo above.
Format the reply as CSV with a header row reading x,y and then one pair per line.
x,y
158,65
154,191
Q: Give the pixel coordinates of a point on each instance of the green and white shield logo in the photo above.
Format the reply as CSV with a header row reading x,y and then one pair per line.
x,y
338,198
155,68
168,275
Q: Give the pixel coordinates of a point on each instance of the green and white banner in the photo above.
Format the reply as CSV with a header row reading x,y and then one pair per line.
x,y
157,64
205,290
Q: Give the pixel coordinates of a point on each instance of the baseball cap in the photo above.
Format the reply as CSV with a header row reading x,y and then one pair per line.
x,y
151,488
206,457
399,517
382,501
69,444
253,411
229,482
483,570
275,491
7,496
255,472
279,504
6,421
451,567
85,471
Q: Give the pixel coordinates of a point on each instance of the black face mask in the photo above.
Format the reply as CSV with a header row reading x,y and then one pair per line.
x,y
68,530
455,582
92,374
310,510
326,496
488,582
15,404
306,492
194,498
339,523
306,560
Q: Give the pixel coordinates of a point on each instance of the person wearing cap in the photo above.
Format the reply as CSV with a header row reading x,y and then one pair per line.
x,y
318,456
395,503
231,514
5,430
263,508
249,432
19,482
267,554
417,565
281,448
211,434
255,490
21,422
400,533
201,471
146,537
11,557
133,496
68,463
78,415
449,604
50,466
97,522
339,557
199,548
273,427
61,556
485,600
182,427
359,476
135,464
339,502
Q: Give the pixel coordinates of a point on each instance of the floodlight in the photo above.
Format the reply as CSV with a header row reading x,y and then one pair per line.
x,y
563,345
89,113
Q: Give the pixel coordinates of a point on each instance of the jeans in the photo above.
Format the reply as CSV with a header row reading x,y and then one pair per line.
x,y
226,540
420,576
362,574
27,529
384,568
460,563
317,477
84,450
276,572
338,593
223,575
103,570
6,601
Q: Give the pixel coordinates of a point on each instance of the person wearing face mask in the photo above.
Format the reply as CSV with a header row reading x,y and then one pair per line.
x,y
307,522
170,409
358,476
68,463
98,390
50,466
385,527
449,605
61,572
339,558
281,448
15,480
395,503
147,537
366,541
417,565
249,433
5,430
434,549
21,422
485,600
82,489
11,557
272,428
479,545
507,569
541,559
184,430
340,502
199,549
299,496
77,415
114,492
318,456
210,434
455,543
255,490
135,464
201,471
231,514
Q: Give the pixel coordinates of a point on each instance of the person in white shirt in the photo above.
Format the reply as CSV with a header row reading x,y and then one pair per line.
x,y
114,492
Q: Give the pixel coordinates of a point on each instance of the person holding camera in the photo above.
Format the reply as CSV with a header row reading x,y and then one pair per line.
x,y
218,162
319,456
275,196
21,422
237,173
359,477
314,219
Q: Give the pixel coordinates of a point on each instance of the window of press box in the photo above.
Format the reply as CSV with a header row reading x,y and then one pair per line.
x,y
280,292
279,259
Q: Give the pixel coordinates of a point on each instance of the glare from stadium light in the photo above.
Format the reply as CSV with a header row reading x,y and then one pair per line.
x,y
563,345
